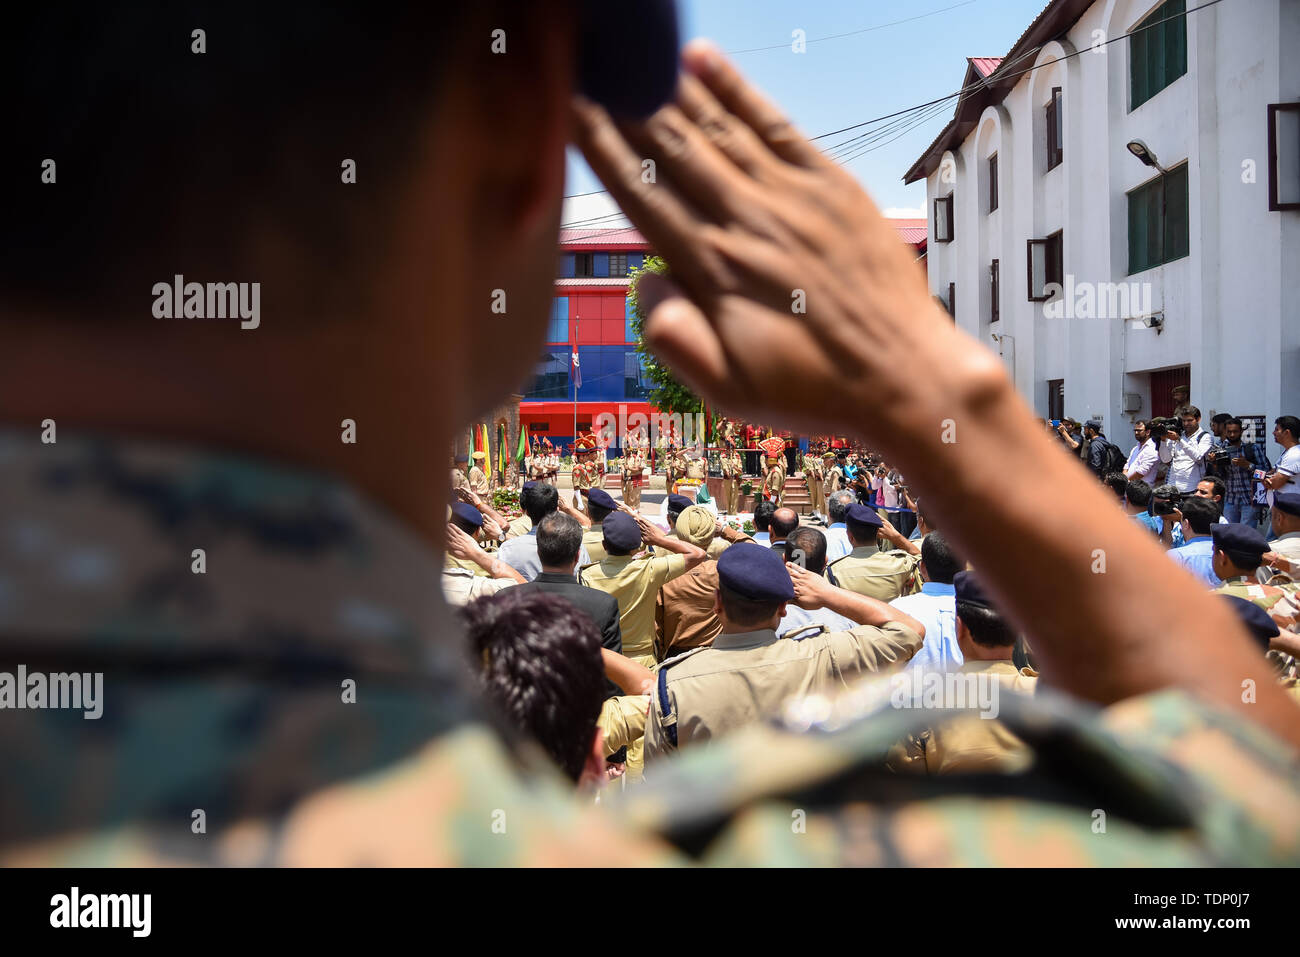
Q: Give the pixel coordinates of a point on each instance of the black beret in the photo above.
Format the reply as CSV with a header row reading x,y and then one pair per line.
x,y
1261,627
968,588
621,532
679,502
530,484
468,513
755,572
601,498
862,519
1288,502
1239,538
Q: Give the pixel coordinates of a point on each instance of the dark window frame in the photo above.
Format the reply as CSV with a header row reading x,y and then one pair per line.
x,y
952,300
1182,249
1055,132
993,182
584,265
621,260
1053,263
995,291
946,202
1148,44
1274,205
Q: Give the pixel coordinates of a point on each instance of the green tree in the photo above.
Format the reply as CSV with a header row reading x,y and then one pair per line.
x,y
667,394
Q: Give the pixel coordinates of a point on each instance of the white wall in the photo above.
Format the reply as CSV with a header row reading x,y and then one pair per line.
x,y
1230,307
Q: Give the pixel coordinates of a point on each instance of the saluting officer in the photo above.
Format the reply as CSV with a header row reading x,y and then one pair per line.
x,y
748,673
733,466
868,571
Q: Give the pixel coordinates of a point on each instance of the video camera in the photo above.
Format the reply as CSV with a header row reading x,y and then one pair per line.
x,y
1162,429
1166,500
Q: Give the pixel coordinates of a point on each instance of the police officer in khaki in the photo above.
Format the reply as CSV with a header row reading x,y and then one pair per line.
x,y
478,483
774,475
812,466
599,505
748,673
971,742
633,463
868,571
831,479
635,582
733,467
458,477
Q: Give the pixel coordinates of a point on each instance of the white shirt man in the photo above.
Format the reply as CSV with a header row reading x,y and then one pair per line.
x,y
1185,457
796,617
520,553
935,606
1144,462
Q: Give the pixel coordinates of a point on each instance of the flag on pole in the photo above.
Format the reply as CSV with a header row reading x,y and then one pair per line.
x,y
575,370
486,448
522,453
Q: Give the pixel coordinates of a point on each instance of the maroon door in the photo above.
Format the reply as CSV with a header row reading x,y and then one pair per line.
x,y
1162,383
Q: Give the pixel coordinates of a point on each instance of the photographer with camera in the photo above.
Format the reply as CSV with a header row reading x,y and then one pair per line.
x,y
1166,501
1235,461
1184,450
1144,460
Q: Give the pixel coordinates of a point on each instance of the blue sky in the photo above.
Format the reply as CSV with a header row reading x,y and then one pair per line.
x,y
839,82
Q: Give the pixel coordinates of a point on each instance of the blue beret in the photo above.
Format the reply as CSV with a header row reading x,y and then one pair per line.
x,y
627,55
468,513
861,516
679,502
1239,538
1261,627
755,572
969,589
529,484
601,498
621,532
1288,502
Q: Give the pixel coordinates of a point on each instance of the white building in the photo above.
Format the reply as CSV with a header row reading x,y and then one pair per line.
x,y
1035,174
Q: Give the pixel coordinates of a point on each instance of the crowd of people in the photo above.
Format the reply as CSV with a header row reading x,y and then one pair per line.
x,y
243,530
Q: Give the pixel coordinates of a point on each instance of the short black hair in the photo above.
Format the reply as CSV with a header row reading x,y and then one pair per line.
x,y
1138,493
1192,411
1223,418
1288,423
812,543
782,529
559,540
763,515
839,505
1250,561
538,659
942,563
115,96
1233,420
986,626
745,611
1117,482
1220,486
1200,513
538,501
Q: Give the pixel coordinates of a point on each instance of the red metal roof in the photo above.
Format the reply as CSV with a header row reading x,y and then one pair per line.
x,y
984,65
910,231
620,236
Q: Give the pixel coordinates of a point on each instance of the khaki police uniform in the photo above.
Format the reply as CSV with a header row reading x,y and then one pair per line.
x,y
832,481
1280,597
478,482
746,678
461,586
633,463
880,575
733,466
593,540
635,583
458,480
970,743
519,526
774,484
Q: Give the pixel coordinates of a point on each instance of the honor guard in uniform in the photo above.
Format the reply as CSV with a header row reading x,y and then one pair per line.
x,y
633,463
832,480
478,483
774,474
585,474
534,463
672,466
697,469
733,467
812,476
972,743
458,478
746,676
868,571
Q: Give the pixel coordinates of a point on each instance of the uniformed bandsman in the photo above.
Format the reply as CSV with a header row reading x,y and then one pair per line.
x,y
633,464
478,483
832,480
733,467
868,571
774,474
748,673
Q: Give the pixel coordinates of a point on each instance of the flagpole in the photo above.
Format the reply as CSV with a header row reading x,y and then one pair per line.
x,y
575,383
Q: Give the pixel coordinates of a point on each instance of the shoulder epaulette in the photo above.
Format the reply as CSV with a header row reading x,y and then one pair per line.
x,y
807,631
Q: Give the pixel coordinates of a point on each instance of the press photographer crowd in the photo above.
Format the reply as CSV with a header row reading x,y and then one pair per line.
x,y
969,639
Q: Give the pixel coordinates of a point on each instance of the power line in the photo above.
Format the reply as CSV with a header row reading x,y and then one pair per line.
x,y
854,33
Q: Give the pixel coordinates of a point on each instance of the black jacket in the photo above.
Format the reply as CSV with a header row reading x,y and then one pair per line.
x,y
601,608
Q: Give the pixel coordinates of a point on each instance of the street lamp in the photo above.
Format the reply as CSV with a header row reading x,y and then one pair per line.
x,y
1144,153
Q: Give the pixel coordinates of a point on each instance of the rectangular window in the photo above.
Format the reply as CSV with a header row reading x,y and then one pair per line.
x,y
1056,399
993,182
618,264
1157,52
635,384
1045,265
943,219
1283,156
1055,130
551,377
1158,221
629,317
566,266
557,326
952,300
583,267
600,265
995,294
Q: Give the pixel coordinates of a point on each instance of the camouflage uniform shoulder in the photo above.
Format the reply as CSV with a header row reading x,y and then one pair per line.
x,y
1157,780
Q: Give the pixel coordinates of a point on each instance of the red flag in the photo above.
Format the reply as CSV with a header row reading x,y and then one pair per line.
x,y
575,370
